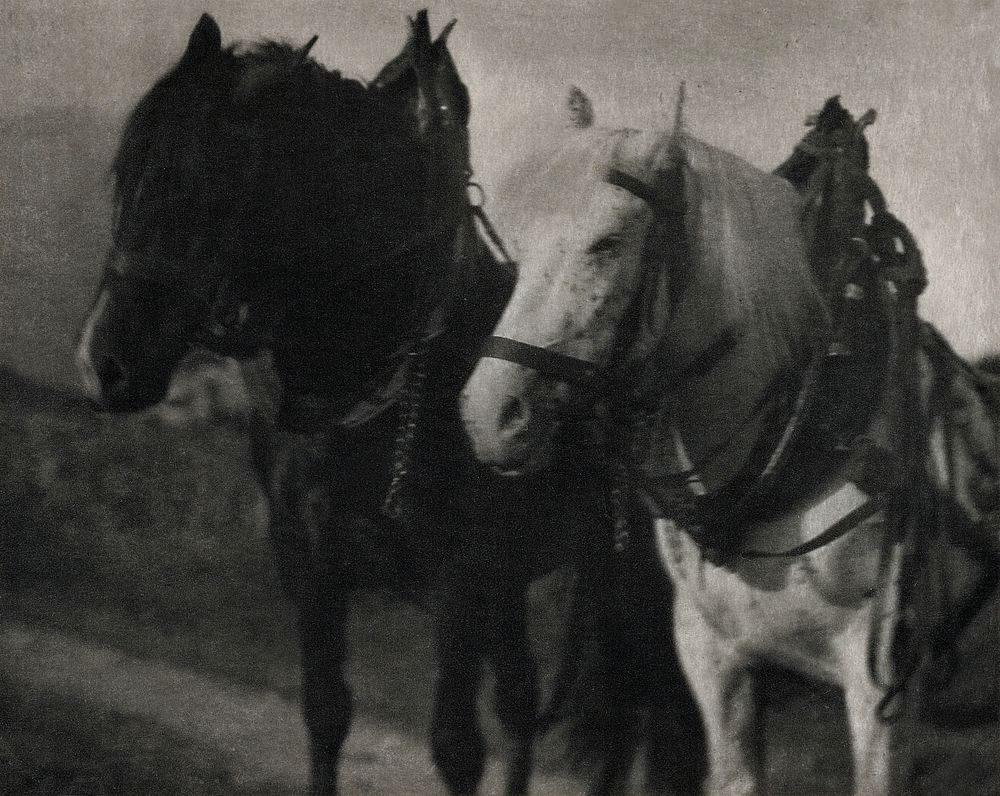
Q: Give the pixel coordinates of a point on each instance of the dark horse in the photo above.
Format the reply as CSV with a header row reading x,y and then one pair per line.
x,y
266,202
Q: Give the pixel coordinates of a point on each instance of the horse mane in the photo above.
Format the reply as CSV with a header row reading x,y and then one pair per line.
x,y
745,225
260,161
192,144
743,251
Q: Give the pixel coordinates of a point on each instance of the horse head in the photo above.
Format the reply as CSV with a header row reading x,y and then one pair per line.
x,y
260,196
646,258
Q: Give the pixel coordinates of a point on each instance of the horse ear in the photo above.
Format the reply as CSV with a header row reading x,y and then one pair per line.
x,y
442,98
442,39
671,161
581,111
671,183
302,54
205,40
677,133
397,74
425,77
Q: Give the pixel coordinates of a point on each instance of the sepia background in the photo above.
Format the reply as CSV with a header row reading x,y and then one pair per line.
x,y
144,646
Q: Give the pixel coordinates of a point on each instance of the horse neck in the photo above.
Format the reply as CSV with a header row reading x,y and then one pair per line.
x,y
342,318
718,420
747,279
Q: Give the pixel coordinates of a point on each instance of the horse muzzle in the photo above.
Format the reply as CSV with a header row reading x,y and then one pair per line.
x,y
508,411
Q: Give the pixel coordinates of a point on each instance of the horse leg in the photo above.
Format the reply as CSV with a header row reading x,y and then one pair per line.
x,y
301,532
322,615
457,745
675,746
613,776
722,683
326,699
870,742
516,692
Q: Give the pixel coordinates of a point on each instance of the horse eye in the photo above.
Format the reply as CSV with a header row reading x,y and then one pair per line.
x,y
607,245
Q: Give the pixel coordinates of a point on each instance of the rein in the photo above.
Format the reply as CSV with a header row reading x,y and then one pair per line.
x,y
546,361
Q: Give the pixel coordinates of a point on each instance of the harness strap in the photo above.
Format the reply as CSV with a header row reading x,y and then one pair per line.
x,y
679,512
699,365
492,236
840,528
664,203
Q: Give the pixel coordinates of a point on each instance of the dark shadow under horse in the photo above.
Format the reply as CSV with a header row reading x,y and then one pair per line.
x,y
266,202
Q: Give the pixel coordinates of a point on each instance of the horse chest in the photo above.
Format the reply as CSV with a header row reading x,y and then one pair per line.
x,y
789,611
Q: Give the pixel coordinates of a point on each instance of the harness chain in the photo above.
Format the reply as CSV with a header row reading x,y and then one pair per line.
x,y
310,412
410,402
438,149
411,397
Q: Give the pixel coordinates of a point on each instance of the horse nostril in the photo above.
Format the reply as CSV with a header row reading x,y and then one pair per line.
x,y
514,415
111,373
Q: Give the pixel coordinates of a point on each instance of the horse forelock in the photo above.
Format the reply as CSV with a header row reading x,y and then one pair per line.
x,y
550,183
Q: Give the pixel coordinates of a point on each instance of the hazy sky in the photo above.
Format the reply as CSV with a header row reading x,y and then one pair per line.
x,y
753,70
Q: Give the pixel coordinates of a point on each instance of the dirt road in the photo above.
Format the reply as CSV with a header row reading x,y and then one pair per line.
x,y
258,734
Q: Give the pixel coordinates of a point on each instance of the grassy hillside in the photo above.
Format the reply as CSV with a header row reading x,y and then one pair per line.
x,y
65,749
134,532
152,538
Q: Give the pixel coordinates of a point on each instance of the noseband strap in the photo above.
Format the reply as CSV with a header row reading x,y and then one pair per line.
x,y
544,360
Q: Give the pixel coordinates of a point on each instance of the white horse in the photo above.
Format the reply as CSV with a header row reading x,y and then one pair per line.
x,y
676,280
